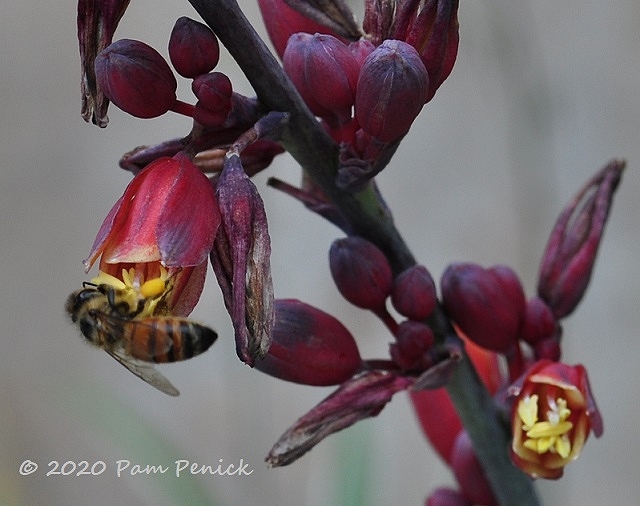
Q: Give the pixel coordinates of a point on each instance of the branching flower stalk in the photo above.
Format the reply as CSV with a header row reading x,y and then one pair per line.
x,y
341,102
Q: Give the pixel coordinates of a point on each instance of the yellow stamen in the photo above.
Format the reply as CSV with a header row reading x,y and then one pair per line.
x,y
550,435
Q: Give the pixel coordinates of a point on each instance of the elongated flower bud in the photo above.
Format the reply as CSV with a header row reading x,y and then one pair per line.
x,y
361,272
571,252
241,261
136,78
413,341
309,346
392,88
487,304
325,73
193,48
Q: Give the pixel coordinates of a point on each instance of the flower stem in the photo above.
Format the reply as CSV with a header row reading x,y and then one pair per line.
x,y
369,217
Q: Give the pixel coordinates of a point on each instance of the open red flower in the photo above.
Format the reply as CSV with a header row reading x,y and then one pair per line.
x,y
552,416
156,239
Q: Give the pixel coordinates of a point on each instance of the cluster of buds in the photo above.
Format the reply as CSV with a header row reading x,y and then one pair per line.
x,y
369,87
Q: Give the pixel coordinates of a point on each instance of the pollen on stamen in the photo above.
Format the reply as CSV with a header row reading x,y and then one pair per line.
x,y
153,288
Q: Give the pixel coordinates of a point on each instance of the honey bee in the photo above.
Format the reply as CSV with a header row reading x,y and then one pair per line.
x,y
134,339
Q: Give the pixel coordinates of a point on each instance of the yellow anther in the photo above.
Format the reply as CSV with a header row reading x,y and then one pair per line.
x,y
563,446
548,429
528,411
153,288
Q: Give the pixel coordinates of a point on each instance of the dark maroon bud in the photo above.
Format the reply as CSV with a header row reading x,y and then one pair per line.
x,y
446,497
414,293
361,272
136,78
193,48
392,88
309,346
571,252
413,340
469,473
539,322
241,261
487,304
325,73
214,92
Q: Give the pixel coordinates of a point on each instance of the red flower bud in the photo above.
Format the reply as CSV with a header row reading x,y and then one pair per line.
x,y
571,252
361,272
414,293
413,341
136,78
392,88
309,346
469,473
325,73
487,304
193,48
214,92
552,416
446,497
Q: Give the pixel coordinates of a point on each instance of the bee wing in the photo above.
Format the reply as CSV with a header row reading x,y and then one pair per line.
x,y
145,371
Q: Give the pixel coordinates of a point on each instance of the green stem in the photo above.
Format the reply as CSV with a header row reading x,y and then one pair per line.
x,y
317,153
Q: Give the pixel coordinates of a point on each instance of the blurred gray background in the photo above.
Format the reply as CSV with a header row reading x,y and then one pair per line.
x,y
543,94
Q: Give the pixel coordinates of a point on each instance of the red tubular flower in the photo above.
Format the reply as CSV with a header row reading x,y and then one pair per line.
x,y
309,346
571,252
97,22
153,230
282,22
193,48
136,78
553,413
392,88
487,304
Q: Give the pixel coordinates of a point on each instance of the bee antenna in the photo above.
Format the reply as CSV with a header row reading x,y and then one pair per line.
x,y
88,283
